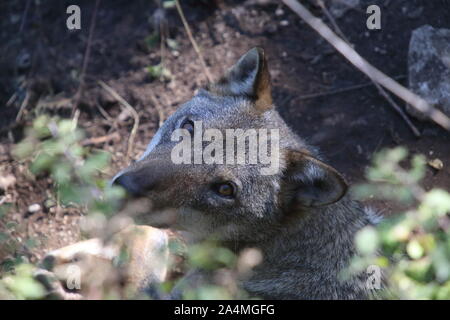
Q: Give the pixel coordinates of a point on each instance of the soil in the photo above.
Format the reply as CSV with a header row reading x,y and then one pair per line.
x,y
41,57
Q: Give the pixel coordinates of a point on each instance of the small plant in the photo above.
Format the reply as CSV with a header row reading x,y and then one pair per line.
x,y
21,284
159,72
52,148
219,262
412,247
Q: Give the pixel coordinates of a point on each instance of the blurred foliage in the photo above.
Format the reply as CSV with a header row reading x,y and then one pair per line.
x,y
159,72
413,247
21,284
220,266
153,40
168,4
52,148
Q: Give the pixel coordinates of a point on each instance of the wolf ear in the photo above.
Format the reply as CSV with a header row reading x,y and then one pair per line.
x,y
248,77
311,183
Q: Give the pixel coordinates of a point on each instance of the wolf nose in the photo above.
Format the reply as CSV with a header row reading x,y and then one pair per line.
x,y
129,183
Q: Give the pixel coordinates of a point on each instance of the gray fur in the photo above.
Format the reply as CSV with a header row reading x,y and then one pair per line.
x,y
299,218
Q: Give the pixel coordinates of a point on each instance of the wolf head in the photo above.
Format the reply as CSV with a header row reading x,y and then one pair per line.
x,y
188,168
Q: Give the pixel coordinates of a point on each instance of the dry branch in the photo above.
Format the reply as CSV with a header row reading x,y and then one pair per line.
x,y
24,16
100,140
87,54
23,106
158,108
193,42
335,91
380,89
130,109
373,73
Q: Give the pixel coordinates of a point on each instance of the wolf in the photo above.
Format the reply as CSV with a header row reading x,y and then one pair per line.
x,y
299,217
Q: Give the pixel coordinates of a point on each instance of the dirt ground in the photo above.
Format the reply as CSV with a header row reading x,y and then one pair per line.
x,y
41,62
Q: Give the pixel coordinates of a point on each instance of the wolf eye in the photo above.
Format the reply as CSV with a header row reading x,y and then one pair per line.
x,y
226,189
188,125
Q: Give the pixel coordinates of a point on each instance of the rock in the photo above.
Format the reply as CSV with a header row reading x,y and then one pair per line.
x,y
429,67
436,164
279,12
339,8
34,208
7,181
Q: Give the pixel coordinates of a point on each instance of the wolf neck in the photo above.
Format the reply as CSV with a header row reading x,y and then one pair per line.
x,y
325,233
331,228
309,253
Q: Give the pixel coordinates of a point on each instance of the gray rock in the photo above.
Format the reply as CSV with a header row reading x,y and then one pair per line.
x,y
429,67
34,208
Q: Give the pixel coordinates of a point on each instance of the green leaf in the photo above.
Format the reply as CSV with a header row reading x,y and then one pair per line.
x,y
23,285
62,172
414,249
96,162
168,4
420,270
417,171
66,127
436,202
40,127
23,150
159,71
367,240
172,44
42,163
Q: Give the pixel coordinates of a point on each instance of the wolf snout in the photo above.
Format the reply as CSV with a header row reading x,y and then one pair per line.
x,y
129,183
138,181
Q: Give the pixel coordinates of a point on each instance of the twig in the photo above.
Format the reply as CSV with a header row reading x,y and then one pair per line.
x,y
133,112
112,123
373,73
87,54
158,108
11,99
379,87
337,90
24,16
75,118
23,106
193,42
399,111
99,140
103,112
162,40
